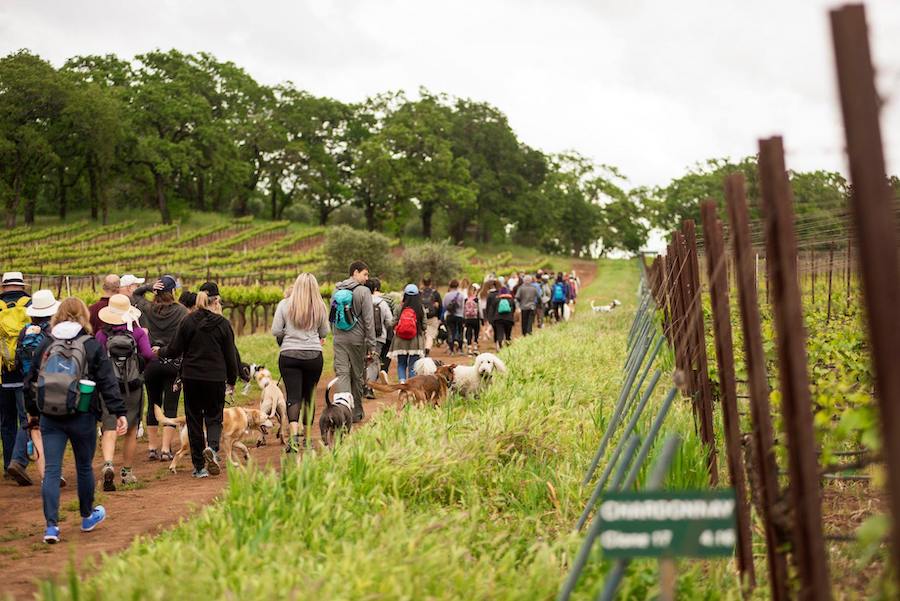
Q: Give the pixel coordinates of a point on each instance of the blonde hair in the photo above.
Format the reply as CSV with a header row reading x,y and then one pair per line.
x,y
73,309
306,309
212,304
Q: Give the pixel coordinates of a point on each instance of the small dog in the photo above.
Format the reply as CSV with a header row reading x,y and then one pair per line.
x,y
426,366
442,335
273,403
337,416
605,308
235,422
468,379
420,389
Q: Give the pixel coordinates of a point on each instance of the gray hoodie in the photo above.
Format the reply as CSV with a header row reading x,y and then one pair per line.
x,y
363,331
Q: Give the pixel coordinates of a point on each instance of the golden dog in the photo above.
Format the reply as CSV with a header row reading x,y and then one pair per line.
x,y
420,389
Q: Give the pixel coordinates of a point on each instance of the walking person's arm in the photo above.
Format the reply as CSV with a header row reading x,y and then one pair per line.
x,y
368,319
231,354
279,328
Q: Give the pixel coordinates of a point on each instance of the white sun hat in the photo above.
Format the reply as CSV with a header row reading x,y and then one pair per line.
x,y
13,278
43,304
130,280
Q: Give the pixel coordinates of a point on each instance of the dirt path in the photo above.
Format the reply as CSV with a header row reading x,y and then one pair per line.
x,y
159,502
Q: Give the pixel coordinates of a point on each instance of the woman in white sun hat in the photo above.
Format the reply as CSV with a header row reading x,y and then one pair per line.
x,y
129,351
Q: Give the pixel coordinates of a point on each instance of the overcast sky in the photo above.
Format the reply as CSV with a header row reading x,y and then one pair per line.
x,y
651,87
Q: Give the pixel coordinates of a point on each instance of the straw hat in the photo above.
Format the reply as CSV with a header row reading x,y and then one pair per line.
x,y
13,278
43,304
119,311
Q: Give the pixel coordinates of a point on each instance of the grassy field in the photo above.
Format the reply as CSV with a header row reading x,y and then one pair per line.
x,y
476,500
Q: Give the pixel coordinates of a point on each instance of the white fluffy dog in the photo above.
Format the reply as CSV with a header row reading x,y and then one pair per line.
x,y
605,308
425,366
468,379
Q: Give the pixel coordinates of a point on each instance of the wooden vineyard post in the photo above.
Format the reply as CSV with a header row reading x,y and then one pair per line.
x,y
796,403
830,275
813,269
716,269
765,466
875,226
703,388
849,272
684,338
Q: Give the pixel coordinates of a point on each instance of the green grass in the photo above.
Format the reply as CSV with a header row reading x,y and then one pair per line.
x,y
476,500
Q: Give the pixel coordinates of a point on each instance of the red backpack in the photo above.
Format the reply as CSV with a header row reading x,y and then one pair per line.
x,y
408,325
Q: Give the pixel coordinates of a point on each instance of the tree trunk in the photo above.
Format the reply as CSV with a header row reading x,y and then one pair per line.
x,y
12,202
323,214
104,205
201,191
427,214
30,203
62,192
274,197
161,198
240,208
92,178
370,215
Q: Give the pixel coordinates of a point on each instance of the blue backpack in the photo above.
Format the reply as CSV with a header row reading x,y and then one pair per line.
x,y
559,292
32,337
342,310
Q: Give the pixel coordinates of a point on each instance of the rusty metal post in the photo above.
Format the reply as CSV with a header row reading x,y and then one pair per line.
x,y
796,403
872,207
716,269
755,358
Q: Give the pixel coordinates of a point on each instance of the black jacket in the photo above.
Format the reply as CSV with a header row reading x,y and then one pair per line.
x,y
99,369
205,342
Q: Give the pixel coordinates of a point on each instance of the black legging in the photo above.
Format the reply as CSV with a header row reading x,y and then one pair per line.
x,y
558,311
527,321
204,403
159,378
502,331
473,330
300,377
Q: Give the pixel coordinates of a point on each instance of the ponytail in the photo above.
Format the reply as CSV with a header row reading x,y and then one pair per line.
x,y
210,303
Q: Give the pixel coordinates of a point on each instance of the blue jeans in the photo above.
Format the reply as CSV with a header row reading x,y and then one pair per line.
x,y
81,430
405,366
13,420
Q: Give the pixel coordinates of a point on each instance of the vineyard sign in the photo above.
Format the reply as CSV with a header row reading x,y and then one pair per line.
x,y
668,523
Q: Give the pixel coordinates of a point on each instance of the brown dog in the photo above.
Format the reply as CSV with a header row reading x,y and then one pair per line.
x,y
420,389
235,422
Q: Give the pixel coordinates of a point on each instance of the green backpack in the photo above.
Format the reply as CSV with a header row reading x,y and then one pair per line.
x,y
505,304
342,310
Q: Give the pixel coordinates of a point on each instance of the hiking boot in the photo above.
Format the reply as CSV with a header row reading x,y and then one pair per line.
x,y
51,535
152,455
212,462
166,456
201,473
17,472
109,476
62,482
128,476
370,394
93,520
358,417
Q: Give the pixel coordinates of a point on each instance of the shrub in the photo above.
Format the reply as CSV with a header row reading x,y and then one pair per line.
x,y
343,245
440,260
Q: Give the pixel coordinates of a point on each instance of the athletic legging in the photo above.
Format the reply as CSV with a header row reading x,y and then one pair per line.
x,y
502,331
558,311
159,378
204,404
300,377
473,330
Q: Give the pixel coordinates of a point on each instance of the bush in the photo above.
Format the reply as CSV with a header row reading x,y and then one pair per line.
x,y
439,260
343,245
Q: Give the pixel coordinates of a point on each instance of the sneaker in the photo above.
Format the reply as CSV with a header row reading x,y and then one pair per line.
x,y
93,520
62,482
51,535
370,394
17,472
128,476
29,450
201,473
109,476
212,462
152,455
166,456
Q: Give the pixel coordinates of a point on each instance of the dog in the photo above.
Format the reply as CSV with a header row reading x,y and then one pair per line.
x,y
426,366
605,308
420,389
273,403
337,416
235,422
468,379
442,335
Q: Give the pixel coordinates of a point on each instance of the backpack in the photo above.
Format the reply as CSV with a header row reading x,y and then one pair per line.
x,y
408,325
379,325
559,292
64,363
12,320
428,303
342,310
545,293
125,359
505,304
453,305
470,310
30,340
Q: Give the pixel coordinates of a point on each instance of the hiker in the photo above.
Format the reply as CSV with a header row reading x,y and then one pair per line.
x,y
71,359
205,342
128,284
501,312
300,326
109,287
431,304
538,284
486,289
454,302
188,299
393,301
353,327
383,316
14,302
559,295
473,316
527,298
128,346
409,333
162,317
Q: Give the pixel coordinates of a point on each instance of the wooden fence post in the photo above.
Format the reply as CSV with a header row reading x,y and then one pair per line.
x,y
872,207
830,276
796,404
716,269
762,444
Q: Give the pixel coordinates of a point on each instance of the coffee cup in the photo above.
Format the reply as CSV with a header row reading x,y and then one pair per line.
x,y
86,391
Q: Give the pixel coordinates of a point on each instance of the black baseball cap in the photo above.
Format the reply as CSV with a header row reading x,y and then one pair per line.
x,y
210,288
169,283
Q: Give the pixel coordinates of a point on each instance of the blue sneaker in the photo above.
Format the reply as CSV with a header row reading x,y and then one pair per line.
x,y
93,520
29,450
201,473
51,535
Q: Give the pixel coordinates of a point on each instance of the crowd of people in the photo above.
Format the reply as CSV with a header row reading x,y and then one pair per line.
x,y
67,367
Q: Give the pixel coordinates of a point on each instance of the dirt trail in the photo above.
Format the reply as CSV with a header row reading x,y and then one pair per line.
x,y
160,502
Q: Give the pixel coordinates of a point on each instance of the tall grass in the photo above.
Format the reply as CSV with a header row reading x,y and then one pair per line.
x,y
475,500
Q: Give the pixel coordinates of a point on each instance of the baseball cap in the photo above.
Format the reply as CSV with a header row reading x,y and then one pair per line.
x,y
169,283
13,278
210,288
411,289
130,280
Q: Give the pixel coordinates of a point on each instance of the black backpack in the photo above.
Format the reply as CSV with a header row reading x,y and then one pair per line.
x,y
125,358
379,325
428,303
